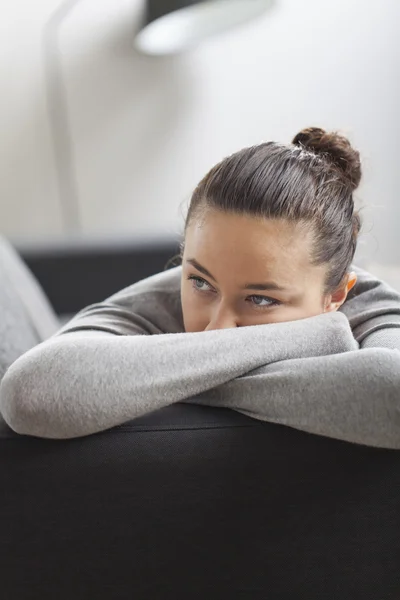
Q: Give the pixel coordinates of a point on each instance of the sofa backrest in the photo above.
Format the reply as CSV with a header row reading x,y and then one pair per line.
x,y
197,502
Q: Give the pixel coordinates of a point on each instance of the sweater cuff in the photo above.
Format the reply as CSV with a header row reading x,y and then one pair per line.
x,y
386,325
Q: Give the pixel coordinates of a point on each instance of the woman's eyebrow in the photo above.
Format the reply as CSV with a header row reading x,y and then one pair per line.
x,y
199,267
269,285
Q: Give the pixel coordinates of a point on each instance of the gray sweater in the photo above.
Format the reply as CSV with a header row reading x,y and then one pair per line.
x,y
335,374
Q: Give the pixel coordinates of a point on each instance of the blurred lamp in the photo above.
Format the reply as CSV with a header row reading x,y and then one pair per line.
x,y
174,25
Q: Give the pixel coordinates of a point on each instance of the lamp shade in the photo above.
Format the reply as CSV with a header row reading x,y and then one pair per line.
x,y
172,26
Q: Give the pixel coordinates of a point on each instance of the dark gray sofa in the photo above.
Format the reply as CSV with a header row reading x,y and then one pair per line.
x,y
189,502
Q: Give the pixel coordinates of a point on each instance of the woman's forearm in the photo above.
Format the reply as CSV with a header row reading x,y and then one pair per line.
x,y
85,382
353,396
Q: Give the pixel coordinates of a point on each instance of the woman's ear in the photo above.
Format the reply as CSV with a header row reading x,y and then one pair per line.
x,y
335,300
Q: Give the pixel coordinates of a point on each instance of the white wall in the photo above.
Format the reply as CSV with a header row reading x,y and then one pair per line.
x,y
145,130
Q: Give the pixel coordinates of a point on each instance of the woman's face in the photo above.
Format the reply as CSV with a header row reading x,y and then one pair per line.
x,y
238,270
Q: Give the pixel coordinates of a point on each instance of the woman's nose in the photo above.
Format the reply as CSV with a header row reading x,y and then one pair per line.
x,y
222,318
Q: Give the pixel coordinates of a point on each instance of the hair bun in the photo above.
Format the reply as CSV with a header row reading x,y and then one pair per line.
x,y
336,147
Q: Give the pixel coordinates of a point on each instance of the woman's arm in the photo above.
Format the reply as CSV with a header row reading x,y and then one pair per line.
x,y
86,381
81,386
372,306
353,396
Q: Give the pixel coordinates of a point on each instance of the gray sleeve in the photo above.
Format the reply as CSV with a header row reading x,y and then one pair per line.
x,y
373,306
353,396
109,365
86,381
387,337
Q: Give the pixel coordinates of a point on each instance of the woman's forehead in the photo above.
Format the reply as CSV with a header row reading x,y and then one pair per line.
x,y
247,235
243,247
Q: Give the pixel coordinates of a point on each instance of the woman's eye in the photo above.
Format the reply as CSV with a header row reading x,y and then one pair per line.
x,y
199,283
263,301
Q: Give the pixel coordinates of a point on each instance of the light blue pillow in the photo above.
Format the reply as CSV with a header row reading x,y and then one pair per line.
x,y
26,316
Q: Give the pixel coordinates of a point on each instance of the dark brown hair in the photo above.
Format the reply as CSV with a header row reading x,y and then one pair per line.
x,y
309,182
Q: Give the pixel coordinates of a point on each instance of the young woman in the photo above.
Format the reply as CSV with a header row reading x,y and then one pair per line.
x,y
266,315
